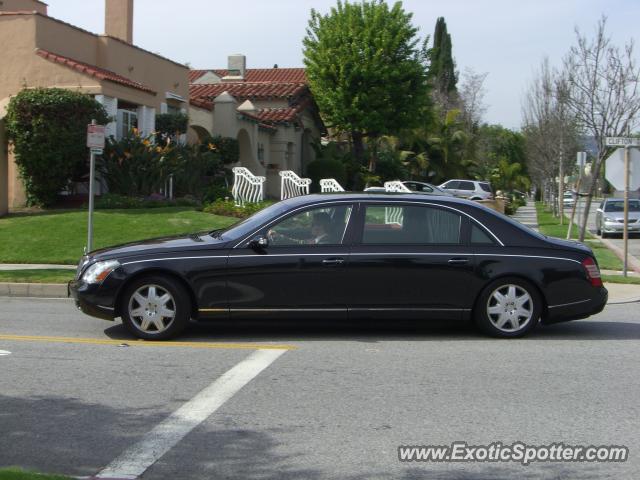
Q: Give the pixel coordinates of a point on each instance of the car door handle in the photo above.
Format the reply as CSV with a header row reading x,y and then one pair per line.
x,y
458,261
331,262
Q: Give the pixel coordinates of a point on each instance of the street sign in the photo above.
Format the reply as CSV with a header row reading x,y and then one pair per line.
x,y
622,142
95,137
615,169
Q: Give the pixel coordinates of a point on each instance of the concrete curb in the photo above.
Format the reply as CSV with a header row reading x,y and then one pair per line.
x,y
37,290
633,262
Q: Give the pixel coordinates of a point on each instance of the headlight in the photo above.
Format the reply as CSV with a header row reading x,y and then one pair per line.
x,y
607,219
97,272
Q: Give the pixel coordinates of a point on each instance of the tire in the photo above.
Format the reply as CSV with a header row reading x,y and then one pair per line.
x,y
501,318
155,307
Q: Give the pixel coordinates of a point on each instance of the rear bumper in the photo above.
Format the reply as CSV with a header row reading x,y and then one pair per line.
x,y
577,310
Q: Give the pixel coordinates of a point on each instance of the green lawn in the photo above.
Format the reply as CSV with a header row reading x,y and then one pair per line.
x,y
621,279
36,276
19,474
59,237
550,225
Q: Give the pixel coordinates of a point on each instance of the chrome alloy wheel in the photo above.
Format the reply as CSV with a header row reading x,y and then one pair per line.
x,y
510,308
152,309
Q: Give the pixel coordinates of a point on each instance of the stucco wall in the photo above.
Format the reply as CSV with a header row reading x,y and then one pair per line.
x,y
161,75
20,5
20,35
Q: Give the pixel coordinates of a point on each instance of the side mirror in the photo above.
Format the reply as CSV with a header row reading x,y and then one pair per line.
x,y
259,242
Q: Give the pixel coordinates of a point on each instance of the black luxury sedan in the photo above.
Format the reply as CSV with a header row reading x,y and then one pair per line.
x,y
347,256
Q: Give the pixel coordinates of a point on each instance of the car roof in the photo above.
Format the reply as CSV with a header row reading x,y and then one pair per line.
x,y
367,196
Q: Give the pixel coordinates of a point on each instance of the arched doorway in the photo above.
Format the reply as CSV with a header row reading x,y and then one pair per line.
x,y
247,158
197,134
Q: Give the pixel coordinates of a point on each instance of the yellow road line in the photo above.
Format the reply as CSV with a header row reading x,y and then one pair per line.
x,y
146,343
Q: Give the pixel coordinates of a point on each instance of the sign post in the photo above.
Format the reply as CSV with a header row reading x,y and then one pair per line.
x,y
95,142
627,143
580,160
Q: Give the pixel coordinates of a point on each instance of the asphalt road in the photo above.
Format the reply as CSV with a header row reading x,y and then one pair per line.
x,y
335,407
634,238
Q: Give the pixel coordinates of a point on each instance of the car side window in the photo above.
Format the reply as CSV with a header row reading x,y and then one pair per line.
x,y
452,184
317,226
466,186
479,236
403,224
427,188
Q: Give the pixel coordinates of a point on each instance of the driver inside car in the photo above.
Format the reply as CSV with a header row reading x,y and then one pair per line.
x,y
319,233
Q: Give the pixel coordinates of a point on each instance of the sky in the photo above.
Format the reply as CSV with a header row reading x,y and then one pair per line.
x,y
507,39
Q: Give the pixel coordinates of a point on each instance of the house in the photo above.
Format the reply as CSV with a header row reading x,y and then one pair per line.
x,y
271,112
40,51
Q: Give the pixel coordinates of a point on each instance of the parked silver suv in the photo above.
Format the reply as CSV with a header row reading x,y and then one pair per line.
x,y
471,189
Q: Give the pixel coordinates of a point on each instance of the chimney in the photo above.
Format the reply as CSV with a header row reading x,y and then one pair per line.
x,y
118,19
237,66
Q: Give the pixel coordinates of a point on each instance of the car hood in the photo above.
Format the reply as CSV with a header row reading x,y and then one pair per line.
x,y
620,215
178,243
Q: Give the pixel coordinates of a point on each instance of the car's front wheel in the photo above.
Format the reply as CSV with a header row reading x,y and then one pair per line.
x,y
508,307
155,307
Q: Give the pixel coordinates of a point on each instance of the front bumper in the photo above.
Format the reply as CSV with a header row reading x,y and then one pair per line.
x,y
94,300
617,227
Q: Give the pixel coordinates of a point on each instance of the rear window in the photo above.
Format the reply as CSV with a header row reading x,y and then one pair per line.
x,y
485,186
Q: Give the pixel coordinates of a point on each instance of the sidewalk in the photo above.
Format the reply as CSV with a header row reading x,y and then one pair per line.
x,y
35,266
527,215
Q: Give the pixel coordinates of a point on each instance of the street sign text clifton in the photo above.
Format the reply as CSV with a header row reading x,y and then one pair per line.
x,y
623,142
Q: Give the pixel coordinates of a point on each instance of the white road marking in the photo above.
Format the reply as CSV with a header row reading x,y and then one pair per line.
x,y
133,463
4,352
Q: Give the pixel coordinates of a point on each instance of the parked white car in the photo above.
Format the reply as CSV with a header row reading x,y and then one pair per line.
x,y
471,189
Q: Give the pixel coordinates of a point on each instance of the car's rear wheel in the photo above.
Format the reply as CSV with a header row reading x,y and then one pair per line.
x,y
155,307
508,307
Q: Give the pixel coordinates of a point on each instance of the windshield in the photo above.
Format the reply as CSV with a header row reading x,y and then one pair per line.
x,y
618,206
252,223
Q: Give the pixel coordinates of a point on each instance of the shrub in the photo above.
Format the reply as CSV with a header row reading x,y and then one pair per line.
x,y
47,127
329,168
215,192
171,125
228,208
110,201
134,166
138,166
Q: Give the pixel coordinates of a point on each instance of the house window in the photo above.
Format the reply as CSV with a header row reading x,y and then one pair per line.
x,y
173,110
261,153
127,120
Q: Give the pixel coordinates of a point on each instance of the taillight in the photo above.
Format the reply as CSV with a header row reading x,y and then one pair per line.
x,y
593,272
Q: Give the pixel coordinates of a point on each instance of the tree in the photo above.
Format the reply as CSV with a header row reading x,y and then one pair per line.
x,y
366,70
604,93
48,128
472,98
442,69
549,128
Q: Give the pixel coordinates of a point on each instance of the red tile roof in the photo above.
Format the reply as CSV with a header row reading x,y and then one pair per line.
x,y
279,75
243,91
198,102
93,71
